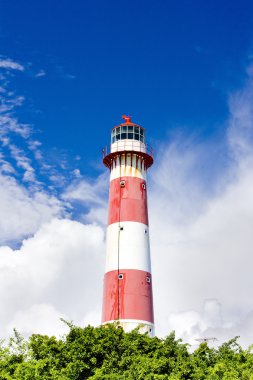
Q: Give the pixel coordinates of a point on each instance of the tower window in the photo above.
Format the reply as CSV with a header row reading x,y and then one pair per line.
x,y
148,279
122,183
127,132
121,228
143,186
120,276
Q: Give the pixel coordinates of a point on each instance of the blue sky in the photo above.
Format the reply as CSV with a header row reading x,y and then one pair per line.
x,y
168,64
184,71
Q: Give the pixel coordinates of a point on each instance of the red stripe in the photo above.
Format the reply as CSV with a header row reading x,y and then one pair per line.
x,y
128,203
128,298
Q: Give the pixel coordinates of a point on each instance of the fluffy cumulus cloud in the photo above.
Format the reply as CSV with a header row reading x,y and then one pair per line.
x,y
90,197
23,211
201,223
56,273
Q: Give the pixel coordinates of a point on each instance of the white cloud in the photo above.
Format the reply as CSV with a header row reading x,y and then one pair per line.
x,y
201,232
23,162
5,166
240,132
34,145
17,139
88,191
77,173
9,124
10,64
208,324
57,273
38,319
92,195
41,73
22,211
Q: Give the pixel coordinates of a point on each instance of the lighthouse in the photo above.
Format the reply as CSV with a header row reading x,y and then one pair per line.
x,y
127,297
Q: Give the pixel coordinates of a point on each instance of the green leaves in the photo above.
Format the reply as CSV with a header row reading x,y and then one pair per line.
x,y
108,353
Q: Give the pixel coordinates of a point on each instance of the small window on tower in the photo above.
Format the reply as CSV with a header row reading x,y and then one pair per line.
x,y
120,276
122,183
121,228
148,279
143,186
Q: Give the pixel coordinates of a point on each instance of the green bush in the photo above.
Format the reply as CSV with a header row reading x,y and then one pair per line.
x,y
108,353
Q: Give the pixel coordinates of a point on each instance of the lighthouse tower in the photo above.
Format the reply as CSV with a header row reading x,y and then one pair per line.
x,y
127,295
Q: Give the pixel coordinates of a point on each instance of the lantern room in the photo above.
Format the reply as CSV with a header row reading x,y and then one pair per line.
x,y
127,131
128,139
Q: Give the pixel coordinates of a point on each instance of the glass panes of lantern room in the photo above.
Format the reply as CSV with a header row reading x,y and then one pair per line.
x,y
127,132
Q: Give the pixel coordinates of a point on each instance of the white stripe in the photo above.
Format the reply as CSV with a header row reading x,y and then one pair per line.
x,y
128,166
127,248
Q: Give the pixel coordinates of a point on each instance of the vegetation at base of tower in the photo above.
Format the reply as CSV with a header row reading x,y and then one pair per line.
x,y
108,353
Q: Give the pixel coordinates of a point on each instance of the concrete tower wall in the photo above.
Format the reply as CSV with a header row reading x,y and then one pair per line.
x,y
128,281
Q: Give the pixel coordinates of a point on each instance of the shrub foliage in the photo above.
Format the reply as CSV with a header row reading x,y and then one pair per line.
x,y
108,353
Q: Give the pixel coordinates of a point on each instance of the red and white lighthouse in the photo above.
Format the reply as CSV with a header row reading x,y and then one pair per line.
x,y
127,281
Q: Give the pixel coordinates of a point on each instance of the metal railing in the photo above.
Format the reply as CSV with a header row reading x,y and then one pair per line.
x,y
128,146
